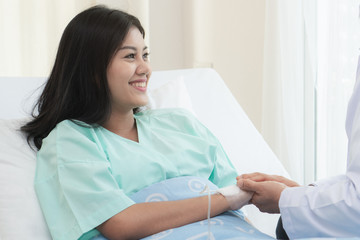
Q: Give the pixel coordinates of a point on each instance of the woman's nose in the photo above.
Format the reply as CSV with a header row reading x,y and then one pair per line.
x,y
144,68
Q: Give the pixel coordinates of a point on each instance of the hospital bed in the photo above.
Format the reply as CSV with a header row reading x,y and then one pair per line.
x,y
201,91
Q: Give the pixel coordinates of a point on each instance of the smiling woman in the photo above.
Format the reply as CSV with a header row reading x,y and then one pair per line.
x,y
96,151
128,73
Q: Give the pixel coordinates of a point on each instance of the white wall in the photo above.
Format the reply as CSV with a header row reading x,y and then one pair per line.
x,y
226,35
238,55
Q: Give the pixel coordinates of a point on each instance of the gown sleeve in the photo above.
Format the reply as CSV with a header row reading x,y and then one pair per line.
x,y
224,172
74,183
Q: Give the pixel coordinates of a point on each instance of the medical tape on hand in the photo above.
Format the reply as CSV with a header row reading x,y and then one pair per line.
x,y
236,197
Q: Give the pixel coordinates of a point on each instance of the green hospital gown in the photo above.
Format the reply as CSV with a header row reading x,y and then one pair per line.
x,y
85,174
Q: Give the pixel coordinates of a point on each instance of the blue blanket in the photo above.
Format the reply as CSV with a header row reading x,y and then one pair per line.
x,y
229,225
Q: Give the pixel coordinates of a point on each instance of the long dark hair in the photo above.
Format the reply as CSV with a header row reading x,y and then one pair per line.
x,y
77,88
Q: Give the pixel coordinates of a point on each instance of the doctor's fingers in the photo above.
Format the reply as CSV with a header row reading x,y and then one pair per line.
x,y
283,180
256,176
260,188
248,185
260,177
289,182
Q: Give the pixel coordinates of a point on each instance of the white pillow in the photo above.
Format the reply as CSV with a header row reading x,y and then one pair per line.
x,y
20,213
172,94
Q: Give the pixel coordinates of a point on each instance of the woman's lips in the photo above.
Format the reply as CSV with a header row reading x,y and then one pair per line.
x,y
139,85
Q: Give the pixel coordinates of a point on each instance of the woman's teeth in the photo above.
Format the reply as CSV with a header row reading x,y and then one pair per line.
x,y
139,84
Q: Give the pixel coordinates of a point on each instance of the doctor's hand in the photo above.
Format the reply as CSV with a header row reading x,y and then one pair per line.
x,y
260,177
266,194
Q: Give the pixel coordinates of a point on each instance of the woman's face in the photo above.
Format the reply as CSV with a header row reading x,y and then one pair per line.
x,y
128,73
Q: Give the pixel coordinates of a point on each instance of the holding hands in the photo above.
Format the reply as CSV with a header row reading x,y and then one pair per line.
x,y
267,189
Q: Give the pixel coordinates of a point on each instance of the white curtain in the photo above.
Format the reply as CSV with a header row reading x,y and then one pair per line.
x,y
31,30
283,86
310,58
338,51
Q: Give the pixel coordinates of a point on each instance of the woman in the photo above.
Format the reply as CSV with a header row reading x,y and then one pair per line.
x,y
96,149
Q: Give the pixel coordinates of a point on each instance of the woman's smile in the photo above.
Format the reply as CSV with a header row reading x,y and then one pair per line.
x,y
140,85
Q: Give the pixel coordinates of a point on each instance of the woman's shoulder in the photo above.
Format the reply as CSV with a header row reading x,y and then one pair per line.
x,y
74,125
73,129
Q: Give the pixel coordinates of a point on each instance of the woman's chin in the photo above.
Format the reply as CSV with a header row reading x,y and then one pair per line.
x,y
142,104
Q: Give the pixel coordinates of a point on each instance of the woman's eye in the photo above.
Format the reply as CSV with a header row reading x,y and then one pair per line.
x,y
146,56
130,55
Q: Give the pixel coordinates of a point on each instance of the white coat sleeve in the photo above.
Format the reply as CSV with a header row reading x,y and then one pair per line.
x,y
332,208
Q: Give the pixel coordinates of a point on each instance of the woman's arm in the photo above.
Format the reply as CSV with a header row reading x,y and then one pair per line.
x,y
144,219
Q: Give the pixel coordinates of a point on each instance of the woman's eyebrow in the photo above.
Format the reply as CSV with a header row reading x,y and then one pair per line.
x,y
132,48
